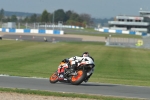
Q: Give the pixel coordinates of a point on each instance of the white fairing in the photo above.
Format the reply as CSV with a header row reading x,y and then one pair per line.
x,y
88,60
85,60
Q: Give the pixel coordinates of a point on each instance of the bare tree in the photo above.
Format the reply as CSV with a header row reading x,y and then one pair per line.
x,y
86,18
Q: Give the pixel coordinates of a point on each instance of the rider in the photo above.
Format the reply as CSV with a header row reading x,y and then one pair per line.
x,y
86,54
77,59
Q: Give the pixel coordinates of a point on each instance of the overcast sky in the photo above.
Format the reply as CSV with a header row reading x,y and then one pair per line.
x,y
96,8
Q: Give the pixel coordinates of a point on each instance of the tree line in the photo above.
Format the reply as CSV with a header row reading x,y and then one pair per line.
x,y
66,17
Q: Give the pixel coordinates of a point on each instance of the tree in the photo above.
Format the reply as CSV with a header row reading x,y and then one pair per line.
x,y
60,15
1,14
38,18
75,19
8,19
86,18
26,19
68,15
74,16
70,22
33,18
45,16
13,18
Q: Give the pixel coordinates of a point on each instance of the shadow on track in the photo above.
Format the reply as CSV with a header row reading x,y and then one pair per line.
x,y
94,84
87,84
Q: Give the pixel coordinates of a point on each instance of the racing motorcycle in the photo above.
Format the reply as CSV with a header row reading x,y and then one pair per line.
x,y
82,71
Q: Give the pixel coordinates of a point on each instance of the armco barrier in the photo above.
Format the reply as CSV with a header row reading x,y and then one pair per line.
x,y
38,31
62,26
26,30
118,31
121,32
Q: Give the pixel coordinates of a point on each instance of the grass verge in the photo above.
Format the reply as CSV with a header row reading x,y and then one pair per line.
x,y
58,94
115,65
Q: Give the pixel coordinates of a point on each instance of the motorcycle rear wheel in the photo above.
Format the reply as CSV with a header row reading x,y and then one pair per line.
x,y
54,78
79,78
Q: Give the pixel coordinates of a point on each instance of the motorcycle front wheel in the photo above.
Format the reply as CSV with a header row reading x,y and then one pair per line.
x,y
54,78
79,78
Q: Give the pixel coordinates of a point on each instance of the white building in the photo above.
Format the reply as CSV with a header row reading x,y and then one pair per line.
x,y
139,23
9,25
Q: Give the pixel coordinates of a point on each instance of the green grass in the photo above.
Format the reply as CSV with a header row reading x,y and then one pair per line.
x,y
58,94
92,32
114,65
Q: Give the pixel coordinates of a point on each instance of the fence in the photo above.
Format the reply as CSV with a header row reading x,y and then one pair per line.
x,y
129,42
41,26
121,32
39,31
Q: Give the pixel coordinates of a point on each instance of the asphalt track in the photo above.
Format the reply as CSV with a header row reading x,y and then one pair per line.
x,y
50,37
85,88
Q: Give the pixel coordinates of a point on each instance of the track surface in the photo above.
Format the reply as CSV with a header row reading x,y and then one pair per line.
x,y
87,88
50,37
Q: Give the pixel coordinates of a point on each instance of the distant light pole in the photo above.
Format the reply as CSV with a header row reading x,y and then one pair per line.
x,y
60,23
26,25
19,25
53,18
2,22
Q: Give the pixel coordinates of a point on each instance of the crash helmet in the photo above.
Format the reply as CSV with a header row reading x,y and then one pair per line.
x,y
85,54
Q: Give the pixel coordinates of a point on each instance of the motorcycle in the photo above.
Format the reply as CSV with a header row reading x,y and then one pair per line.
x,y
82,71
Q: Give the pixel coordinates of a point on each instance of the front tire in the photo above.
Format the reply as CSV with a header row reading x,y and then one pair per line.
x,y
79,78
54,78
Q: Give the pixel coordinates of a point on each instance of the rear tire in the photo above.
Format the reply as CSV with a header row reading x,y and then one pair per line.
x,y
79,78
54,78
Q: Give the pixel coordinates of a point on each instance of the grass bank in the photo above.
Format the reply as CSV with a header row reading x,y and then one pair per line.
x,y
114,65
58,94
92,32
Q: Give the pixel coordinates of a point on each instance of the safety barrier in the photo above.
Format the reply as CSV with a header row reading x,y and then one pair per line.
x,y
121,32
62,26
38,31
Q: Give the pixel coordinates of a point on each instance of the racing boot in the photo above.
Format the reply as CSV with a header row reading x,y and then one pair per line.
x,y
88,77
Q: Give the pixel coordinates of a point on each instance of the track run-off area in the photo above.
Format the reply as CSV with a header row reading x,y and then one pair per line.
x,y
84,88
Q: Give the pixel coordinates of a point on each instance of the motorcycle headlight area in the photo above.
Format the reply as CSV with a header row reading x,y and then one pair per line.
x,y
90,66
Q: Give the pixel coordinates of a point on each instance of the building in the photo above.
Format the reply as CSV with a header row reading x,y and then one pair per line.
x,y
139,23
9,25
